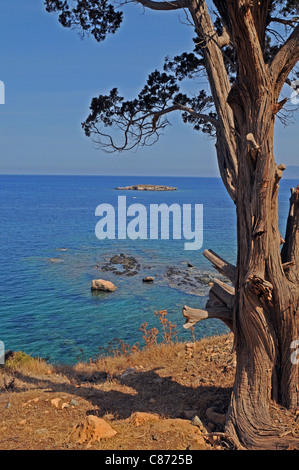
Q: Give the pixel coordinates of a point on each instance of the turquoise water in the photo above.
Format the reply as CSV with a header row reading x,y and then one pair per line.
x,y
48,310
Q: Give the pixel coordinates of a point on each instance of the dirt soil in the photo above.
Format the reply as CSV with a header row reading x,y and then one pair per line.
x,y
171,383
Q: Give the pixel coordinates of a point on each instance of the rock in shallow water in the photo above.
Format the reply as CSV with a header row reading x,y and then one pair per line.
x,y
148,279
102,285
189,281
122,265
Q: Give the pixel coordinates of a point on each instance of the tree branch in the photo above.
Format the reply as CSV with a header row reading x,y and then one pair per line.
x,y
224,14
220,88
139,129
164,6
222,266
219,305
259,11
221,296
194,315
290,249
181,107
291,22
223,292
248,29
285,60
224,39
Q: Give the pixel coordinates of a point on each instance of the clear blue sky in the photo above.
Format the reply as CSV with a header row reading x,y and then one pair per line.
x,y
51,75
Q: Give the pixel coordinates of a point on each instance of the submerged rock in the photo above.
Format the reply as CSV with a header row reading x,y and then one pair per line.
x,y
191,281
102,285
122,265
56,260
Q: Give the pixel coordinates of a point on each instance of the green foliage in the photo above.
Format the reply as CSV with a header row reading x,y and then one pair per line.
x,y
18,360
141,121
96,17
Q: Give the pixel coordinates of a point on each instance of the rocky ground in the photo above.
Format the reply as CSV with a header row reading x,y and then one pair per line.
x,y
169,397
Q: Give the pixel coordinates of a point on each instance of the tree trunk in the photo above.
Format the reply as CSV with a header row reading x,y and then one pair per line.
x,y
265,317
263,309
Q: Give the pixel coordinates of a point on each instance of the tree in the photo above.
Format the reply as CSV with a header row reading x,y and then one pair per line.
x,y
247,50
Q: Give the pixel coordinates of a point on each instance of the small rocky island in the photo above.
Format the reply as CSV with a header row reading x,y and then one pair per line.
x,y
147,187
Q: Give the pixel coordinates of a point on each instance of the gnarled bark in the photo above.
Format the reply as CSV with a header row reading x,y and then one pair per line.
x,y
265,301
266,304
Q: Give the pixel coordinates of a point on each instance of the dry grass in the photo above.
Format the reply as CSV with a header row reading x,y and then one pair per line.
x,y
22,362
172,380
163,379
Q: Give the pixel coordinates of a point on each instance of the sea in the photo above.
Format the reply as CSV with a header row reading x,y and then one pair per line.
x,y
49,255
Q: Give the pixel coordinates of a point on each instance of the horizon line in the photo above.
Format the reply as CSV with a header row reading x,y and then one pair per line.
x,y
126,176
110,175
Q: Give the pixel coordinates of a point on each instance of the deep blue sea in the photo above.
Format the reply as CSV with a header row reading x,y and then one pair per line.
x,y
47,308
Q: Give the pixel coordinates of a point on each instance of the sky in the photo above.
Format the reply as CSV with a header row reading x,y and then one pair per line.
x,y
51,75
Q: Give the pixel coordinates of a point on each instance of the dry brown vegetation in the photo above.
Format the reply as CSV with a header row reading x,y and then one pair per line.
x,y
41,404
